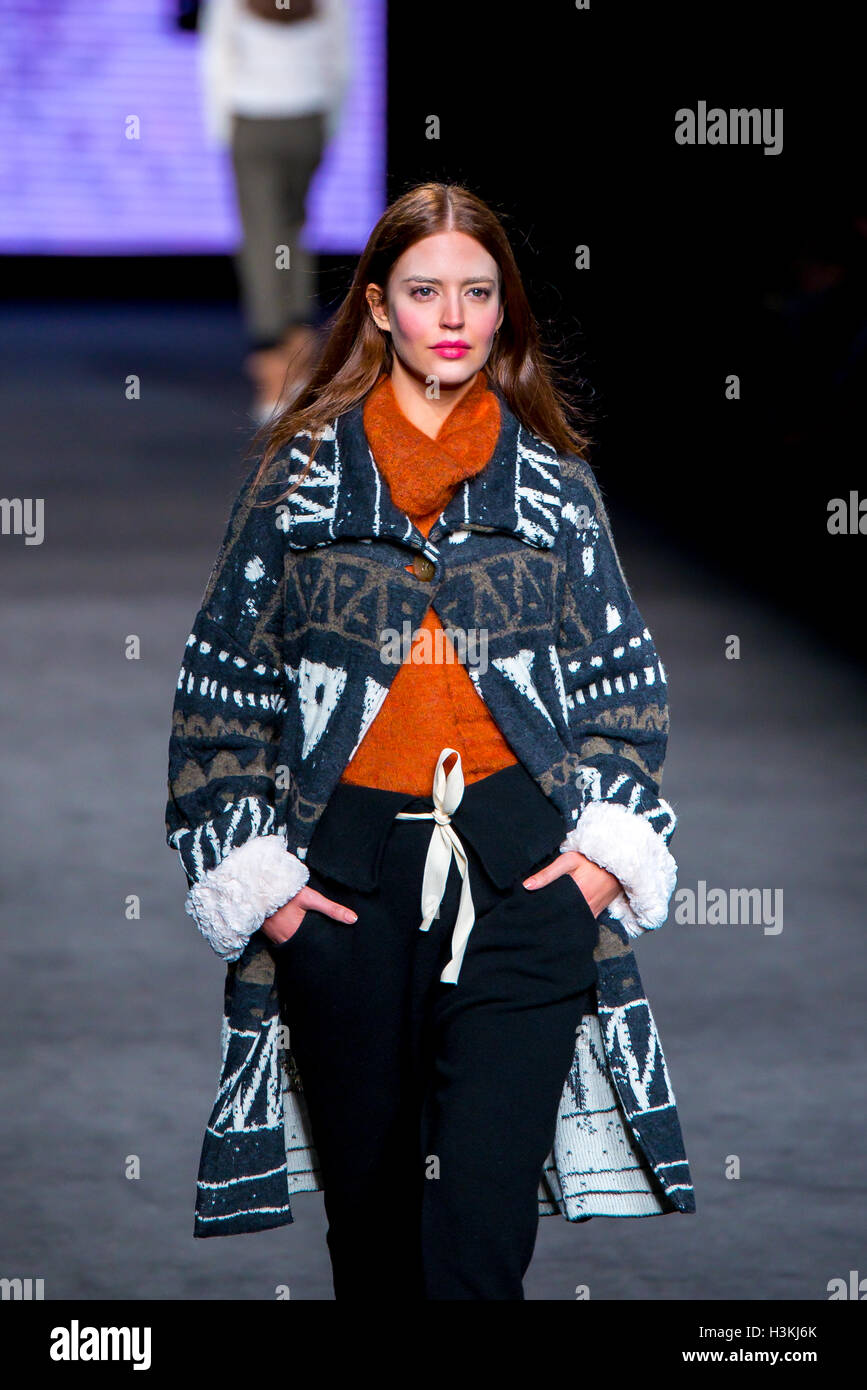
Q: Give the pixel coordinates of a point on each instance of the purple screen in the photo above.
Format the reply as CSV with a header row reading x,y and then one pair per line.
x,y
73,71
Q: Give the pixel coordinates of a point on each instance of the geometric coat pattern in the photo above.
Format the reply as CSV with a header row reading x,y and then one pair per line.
x,y
282,675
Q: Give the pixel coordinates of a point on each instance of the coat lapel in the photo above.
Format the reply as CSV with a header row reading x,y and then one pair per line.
x,y
345,494
518,492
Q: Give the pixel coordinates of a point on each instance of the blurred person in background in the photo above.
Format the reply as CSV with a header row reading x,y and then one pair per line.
x,y
274,84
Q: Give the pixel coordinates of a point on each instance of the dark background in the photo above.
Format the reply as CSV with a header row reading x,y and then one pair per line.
x,y
704,261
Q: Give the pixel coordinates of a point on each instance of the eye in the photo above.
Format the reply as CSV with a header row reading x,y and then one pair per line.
x,y
418,288
483,290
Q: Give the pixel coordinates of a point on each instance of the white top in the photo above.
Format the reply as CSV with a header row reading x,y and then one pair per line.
x,y
257,67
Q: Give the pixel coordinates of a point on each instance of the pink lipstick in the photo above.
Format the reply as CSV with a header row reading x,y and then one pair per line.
x,y
451,348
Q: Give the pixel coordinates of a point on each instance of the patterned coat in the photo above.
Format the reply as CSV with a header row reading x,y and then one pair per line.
x,y
284,671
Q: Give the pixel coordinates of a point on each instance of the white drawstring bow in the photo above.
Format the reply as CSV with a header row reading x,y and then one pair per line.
x,y
447,793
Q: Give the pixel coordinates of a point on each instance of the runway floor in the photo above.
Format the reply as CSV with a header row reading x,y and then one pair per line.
x,y
110,1027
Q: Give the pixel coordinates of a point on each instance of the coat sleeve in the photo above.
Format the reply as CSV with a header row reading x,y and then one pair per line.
x,y
616,705
224,815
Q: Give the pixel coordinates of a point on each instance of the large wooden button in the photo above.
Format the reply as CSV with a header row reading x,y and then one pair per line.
x,y
423,568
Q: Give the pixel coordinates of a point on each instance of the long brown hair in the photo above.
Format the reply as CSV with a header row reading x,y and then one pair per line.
x,y
357,352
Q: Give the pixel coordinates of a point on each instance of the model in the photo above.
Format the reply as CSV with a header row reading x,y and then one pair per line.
x,y
414,783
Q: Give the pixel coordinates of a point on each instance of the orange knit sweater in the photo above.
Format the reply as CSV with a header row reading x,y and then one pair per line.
x,y
430,704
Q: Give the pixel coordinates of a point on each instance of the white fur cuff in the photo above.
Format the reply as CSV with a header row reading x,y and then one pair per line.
x,y
630,849
233,899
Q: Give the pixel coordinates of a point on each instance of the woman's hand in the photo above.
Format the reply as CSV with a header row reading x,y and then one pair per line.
x,y
284,923
598,886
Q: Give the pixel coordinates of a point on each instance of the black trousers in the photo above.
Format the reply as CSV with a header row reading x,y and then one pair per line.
x,y
433,1105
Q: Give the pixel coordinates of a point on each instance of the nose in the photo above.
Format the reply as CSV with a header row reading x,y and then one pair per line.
x,y
452,315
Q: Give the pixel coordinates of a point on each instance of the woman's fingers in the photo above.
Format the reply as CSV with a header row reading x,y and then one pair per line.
x,y
598,886
283,924
314,899
564,863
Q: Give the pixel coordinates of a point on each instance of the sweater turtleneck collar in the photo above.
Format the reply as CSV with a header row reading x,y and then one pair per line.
x,y
422,473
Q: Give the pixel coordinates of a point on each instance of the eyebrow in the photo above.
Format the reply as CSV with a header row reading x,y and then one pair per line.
x,y
430,280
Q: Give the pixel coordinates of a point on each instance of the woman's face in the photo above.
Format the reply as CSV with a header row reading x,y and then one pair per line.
x,y
442,307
